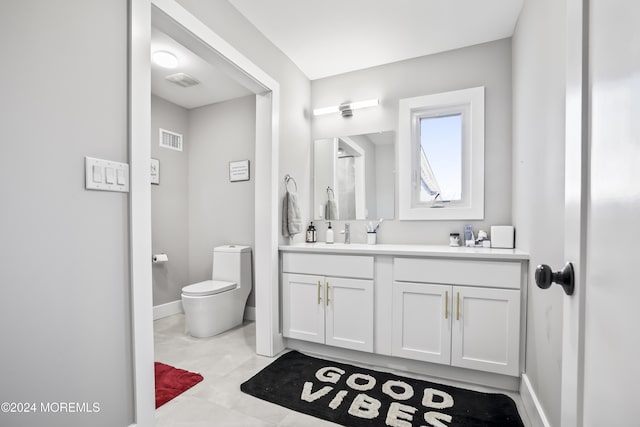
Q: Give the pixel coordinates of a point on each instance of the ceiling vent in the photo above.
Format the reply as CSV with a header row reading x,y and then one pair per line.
x,y
182,79
170,140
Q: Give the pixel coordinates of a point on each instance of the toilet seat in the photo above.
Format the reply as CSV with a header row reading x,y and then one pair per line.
x,y
208,287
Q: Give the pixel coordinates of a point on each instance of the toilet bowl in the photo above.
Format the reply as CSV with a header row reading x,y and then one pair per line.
x,y
217,305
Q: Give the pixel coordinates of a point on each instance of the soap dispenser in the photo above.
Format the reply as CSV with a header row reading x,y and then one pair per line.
x,y
311,234
329,238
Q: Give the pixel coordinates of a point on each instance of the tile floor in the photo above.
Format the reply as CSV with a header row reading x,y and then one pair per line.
x,y
225,361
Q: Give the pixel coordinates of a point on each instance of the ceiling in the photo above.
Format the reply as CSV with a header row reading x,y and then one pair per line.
x,y
215,85
329,37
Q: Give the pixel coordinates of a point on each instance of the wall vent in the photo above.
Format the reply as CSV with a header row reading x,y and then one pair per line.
x,y
183,79
170,140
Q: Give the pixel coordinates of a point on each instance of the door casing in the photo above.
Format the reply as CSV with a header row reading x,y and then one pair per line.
x,y
182,24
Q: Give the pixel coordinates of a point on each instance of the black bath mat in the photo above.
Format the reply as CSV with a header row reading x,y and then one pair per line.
x,y
353,396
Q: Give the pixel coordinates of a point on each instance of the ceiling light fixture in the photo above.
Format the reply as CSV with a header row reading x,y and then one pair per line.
x,y
165,59
346,108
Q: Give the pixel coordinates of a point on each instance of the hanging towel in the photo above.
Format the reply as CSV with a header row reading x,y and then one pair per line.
x,y
291,219
330,209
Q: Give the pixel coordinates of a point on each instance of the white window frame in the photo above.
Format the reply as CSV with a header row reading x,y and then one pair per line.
x,y
470,102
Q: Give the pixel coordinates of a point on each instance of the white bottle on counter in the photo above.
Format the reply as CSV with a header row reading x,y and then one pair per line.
x,y
329,238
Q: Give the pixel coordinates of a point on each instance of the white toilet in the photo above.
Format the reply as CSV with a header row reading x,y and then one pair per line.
x,y
214,306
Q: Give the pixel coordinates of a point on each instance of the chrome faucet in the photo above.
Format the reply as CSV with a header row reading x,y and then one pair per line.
x,y
347,234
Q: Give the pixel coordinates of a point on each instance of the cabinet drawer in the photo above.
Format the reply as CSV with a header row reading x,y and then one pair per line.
x,y
495,274
328,265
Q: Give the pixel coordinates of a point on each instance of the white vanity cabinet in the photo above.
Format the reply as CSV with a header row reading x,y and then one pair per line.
x,y
450,312
334,307
486,329
458,312
421,326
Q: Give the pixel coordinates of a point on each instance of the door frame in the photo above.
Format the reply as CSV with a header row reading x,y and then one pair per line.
x,y
269,341
577,167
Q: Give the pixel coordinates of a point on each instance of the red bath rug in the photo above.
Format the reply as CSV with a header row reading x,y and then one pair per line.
x,y
171,382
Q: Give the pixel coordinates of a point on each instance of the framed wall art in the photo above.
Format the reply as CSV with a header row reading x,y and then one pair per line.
x,y
155,171
239,171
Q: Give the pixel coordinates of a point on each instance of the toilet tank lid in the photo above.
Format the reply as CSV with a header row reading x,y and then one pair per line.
x,y
232,248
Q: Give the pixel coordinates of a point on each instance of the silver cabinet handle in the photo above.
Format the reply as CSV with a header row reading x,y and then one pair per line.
x,y
446,304
327,296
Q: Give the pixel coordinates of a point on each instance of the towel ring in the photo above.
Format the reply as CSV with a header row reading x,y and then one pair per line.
x,y
288,178
331,196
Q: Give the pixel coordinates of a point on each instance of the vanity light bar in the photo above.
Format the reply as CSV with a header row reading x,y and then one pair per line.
x,y
346,106
326,110
365,104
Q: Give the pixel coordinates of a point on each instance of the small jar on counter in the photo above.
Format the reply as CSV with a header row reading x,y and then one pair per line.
x,y
454,239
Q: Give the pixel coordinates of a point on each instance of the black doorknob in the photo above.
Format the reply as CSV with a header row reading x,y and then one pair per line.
x,y
565,277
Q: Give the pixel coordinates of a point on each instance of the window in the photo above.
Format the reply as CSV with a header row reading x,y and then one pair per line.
x,y
441,156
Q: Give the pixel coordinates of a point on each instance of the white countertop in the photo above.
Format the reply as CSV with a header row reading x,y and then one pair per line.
x,y
407,250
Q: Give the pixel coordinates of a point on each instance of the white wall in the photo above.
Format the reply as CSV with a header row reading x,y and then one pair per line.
x,y
169,203
486,65
220,212
295,146
65,308
538,183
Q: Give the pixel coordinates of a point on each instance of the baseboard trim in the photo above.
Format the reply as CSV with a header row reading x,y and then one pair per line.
x,y
175,307
532,404
168,309
250,313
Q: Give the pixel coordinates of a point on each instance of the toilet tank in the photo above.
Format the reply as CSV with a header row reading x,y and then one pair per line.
x,y
232,263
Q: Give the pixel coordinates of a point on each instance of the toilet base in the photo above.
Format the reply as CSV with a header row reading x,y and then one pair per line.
x,y
199,329
212,315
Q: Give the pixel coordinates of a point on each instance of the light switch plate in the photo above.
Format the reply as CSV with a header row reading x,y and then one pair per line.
x,y
95,181
97,173
121,177
109,175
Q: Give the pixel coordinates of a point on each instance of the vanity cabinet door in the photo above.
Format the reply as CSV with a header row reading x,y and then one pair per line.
x,y
349,313
486,329
422,322
303,307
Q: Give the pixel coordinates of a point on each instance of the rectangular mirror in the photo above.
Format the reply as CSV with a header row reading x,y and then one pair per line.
x,y
354,177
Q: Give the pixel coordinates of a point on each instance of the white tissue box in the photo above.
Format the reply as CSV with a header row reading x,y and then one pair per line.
x,y
502,236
